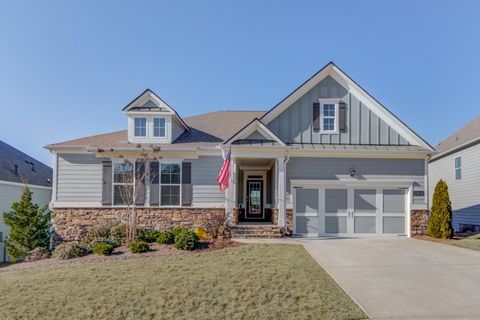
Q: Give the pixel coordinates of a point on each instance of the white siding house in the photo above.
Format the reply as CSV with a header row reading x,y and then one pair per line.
x,y
16,170
458,163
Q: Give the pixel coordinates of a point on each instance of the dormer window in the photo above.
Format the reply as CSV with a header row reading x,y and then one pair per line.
x,y
328,117
140,127
159,127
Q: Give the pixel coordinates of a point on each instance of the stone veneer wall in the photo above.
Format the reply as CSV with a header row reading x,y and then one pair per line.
x,y
418,222
68,223
289,213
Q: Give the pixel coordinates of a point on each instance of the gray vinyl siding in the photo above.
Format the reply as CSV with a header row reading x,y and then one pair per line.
x,y
256,136
294,125
177,129
464,193
366,169
204,180
12,193
79,178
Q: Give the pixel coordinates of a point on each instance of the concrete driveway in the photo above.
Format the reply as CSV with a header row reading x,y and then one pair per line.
x,y
401,278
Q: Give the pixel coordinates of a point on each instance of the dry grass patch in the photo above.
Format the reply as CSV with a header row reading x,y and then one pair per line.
x,y
246,282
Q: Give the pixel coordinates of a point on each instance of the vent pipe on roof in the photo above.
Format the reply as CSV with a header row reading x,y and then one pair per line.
x,y
16,169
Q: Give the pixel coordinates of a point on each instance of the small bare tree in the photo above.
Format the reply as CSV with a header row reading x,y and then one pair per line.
x,y
129,178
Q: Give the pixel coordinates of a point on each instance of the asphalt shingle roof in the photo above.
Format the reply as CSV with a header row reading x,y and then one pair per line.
x,y
28,169
468,133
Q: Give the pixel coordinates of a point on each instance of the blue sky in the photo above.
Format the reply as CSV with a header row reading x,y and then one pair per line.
x,y
68,67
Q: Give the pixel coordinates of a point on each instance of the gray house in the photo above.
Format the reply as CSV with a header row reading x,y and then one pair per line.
x,y
328,159
18,169
458,163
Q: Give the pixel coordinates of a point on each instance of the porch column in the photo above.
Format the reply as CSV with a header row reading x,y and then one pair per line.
x,y
230,192
281,192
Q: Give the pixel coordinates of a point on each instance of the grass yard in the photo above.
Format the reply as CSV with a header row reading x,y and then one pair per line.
x,y
472,242
246,282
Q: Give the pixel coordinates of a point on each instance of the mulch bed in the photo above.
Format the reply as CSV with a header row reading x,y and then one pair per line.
x,y
121,253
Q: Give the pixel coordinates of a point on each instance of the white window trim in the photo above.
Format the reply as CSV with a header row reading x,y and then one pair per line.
x,y
164,127
114,161
135,127
169,161
455,168
335,102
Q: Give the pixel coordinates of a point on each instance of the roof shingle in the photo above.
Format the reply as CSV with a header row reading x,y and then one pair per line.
x,y
468,133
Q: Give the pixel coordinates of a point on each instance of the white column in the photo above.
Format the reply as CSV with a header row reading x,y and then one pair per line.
x,y
282,214
147,184
230,191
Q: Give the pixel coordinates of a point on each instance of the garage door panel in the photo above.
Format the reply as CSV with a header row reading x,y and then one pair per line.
x,y
393,201
365,225
394,225
336,200
307,225
335,224
307,201
365,200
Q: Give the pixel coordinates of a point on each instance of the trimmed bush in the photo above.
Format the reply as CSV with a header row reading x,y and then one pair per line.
x,y
70,250
166,237
177,230
118,234
138,246
186,240
103,249
37,254
149,235
440,220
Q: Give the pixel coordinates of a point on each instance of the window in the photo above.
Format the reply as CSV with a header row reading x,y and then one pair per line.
x,y
170,184
123,184
458,168
329,117
159,127
140,127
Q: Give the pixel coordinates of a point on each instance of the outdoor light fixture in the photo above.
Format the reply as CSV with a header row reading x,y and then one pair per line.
x,y
352,172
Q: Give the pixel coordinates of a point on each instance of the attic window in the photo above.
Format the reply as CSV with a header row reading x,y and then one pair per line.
x,y
159,127
140,127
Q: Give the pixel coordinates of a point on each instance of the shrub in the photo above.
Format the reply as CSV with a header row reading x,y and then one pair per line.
x,y
69,250
177,230
186,240
149,235
37,254
118,234
103,249
138,246
217,226
440,220
166,237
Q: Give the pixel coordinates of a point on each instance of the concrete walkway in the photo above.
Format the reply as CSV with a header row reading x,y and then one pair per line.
x,y
401,278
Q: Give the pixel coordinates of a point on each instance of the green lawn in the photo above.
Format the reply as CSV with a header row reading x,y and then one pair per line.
x,y
246,282
472,242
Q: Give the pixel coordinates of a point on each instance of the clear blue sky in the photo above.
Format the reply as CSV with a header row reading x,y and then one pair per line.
x,y
68,67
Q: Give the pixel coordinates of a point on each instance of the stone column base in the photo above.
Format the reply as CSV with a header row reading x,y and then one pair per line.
x,y
418,222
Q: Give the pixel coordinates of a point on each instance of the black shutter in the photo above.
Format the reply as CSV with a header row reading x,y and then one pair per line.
x,y
107,183
316,116
342,117
186,183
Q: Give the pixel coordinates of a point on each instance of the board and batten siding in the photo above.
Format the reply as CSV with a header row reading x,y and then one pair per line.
x,y
79,178
366,169
204,181
9,194
464,193
294,125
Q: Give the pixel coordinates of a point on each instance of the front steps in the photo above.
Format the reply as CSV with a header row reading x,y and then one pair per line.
x,y
242,231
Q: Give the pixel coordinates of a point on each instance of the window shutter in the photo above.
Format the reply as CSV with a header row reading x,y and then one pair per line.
x,y
342,117
316,117
107,183
186,183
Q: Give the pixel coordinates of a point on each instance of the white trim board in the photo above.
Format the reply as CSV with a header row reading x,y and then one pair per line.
x,y
19,184
255,125
364,97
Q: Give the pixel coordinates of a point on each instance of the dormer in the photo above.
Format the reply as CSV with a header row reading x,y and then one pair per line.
x,y
152,120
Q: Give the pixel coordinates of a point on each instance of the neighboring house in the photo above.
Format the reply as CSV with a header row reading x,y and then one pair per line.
x,y
16,170
328,159
458,163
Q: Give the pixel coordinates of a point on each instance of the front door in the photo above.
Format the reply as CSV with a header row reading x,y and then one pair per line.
x,y
254,199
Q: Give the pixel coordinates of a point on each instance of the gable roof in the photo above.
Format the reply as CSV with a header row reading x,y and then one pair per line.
x,y
342,78
253,126
28,169
466,136
207,129
150,94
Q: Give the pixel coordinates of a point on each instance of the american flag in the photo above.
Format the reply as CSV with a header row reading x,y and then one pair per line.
x,y
223,178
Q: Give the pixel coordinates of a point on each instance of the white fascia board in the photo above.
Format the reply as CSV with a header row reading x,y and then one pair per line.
x,y
255,125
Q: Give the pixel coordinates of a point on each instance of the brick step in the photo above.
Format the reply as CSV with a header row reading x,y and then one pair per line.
x,y
249,231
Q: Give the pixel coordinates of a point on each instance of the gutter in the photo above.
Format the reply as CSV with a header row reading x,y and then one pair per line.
x,y
455,149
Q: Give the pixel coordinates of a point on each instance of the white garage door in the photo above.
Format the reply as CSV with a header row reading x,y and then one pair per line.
x,y
349,211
